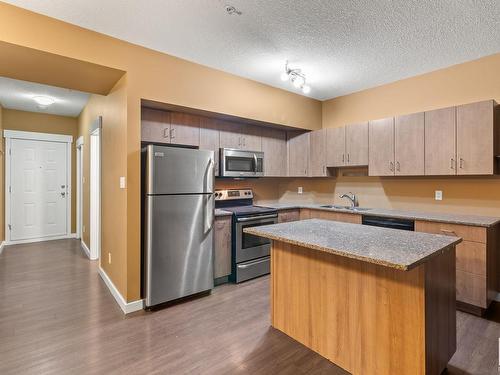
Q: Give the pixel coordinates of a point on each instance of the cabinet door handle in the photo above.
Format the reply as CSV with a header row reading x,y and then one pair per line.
x,y
342,158
348,158
239,141
173,133
166,133
452,163
391,166
461,163
448,231
398,166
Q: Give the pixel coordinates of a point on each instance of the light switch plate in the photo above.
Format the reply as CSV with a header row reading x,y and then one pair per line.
x,y
122,183
299,190
438,195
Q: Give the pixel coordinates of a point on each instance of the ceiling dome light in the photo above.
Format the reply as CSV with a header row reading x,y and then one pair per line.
x,y
44,101
306,89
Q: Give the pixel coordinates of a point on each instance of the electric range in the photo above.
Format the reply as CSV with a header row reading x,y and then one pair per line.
x,y
250,254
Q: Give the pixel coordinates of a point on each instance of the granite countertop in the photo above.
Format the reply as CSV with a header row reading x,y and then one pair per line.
x,y
393,248
219,212
475,220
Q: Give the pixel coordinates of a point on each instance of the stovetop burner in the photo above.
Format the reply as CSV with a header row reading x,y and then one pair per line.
x,y
240,203
250,210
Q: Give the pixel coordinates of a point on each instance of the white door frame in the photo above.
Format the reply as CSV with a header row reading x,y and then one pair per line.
x,y
95,189
79,187
14,134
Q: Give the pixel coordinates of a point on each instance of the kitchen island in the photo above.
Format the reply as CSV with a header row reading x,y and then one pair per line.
x,y
372,300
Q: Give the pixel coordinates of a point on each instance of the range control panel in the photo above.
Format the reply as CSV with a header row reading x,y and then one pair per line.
x,y
230,194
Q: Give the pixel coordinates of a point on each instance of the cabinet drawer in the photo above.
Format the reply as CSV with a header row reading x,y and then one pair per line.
x,y
336,216
471,289
286,216
471,257
468,233
305,213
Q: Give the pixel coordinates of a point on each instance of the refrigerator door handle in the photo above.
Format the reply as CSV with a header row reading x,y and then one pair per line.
x,y
209,214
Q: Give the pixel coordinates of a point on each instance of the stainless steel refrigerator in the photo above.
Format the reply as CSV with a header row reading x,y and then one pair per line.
x,y
178,223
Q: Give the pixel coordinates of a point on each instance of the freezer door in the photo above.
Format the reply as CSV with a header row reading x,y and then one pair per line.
x,y
174,170
179,246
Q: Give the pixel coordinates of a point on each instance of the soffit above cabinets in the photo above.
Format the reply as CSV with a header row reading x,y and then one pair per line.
x,y
342,46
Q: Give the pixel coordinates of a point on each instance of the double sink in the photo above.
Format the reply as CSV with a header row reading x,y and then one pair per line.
x,y
347,208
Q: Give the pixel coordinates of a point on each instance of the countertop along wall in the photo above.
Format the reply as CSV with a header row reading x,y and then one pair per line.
x,y
44,123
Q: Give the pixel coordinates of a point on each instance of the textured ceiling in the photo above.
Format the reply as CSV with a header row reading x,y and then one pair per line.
x,y
15,94
341,46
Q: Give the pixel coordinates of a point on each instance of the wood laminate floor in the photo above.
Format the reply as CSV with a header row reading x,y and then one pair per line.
x,y
57,317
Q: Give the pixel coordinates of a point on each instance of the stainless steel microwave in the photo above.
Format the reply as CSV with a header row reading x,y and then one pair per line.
x,y
241,163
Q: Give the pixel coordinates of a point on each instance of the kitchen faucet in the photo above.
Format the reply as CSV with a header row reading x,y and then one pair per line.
x,y
352,198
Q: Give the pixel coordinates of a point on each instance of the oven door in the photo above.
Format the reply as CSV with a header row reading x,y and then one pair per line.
x,y
239,163
249,246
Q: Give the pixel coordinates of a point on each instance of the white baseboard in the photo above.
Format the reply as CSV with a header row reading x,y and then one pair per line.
x,y
127,307
42,239
85,248
2,245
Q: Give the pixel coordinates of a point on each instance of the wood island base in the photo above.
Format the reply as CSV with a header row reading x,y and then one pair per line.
x,y
364,317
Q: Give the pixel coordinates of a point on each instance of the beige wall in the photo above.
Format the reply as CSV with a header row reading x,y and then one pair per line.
x,y
112,108
45,123
465,83
154,76
2,176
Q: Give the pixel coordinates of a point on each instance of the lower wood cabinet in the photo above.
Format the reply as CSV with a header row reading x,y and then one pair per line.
x,y
476,280
285,216
222,246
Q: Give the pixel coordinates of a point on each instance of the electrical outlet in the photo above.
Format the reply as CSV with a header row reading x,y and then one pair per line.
x,y
438,195
83,228
122,183
300,190
109,258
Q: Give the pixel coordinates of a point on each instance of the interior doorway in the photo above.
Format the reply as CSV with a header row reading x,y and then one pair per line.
x,y
79,187
95,189
37,186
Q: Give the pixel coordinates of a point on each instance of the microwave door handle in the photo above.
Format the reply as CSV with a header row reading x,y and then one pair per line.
x,y
255,163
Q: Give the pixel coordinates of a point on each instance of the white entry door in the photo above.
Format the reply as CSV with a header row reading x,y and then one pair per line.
x,y
38,189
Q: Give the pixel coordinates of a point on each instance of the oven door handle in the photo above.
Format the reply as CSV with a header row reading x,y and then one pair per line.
x,y
255,163
244,219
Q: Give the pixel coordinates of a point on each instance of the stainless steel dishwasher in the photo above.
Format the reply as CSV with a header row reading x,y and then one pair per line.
x,y
388,222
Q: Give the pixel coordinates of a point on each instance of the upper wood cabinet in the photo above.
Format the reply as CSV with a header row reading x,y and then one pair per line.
x,y
335,146
317,153
356,144
298,153
381,146
440,142
409,145
274,148
155,126
476,138
209,139
184,129
240,136
347,145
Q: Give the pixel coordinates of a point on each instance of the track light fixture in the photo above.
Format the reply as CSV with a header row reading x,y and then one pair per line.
x,y
296,77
